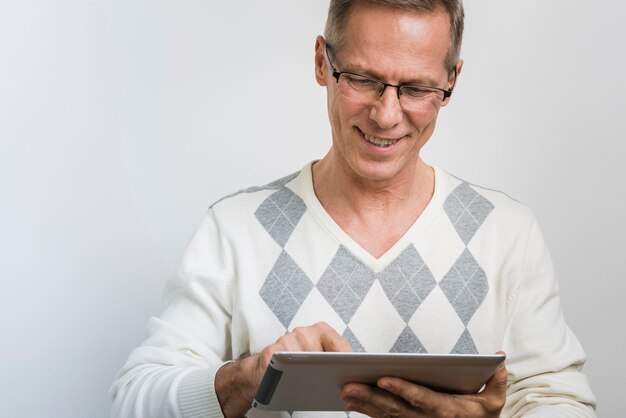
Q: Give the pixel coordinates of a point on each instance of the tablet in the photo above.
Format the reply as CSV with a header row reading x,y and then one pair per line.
x,y
312,381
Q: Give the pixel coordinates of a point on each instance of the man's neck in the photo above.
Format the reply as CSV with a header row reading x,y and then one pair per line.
x,y
375,214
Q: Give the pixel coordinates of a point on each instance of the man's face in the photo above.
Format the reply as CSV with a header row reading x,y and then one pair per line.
x,y
379,140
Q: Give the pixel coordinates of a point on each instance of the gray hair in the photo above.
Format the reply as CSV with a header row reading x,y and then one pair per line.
x,y
339,11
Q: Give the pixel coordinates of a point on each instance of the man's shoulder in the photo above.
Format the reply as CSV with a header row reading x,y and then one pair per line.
x,y
254,194
471,195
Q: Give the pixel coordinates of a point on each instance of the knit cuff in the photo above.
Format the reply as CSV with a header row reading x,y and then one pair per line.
x,y
196,395
561,411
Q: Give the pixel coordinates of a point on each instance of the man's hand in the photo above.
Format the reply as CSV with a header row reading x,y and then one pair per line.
x,y
395,397
236,383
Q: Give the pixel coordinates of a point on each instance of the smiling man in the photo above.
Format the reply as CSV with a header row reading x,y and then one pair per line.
x,y
368,249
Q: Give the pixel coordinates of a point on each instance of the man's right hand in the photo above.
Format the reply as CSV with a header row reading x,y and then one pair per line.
x,y
236,382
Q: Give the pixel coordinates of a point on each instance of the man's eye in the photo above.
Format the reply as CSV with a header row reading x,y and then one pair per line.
x,y
416,91
360,81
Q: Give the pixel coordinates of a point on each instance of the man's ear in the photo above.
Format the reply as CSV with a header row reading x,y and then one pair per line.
x,y
459,68
452,82
320,62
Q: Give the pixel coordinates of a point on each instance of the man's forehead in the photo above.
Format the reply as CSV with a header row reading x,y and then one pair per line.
x,y
402,38
396,19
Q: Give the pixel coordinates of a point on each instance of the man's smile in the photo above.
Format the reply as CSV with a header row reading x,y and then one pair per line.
x,y
378,141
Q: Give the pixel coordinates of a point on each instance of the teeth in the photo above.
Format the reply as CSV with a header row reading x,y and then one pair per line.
x,y
380,141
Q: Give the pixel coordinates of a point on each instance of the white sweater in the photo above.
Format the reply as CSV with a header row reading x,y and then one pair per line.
x,y
472,275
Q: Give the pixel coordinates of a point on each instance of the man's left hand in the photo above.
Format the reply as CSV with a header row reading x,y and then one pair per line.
x,y
393,397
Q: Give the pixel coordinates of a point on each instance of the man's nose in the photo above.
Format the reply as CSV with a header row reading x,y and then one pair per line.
x,y
387,111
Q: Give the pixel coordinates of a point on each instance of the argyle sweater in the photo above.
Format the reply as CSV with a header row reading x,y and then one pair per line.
x,y
471,275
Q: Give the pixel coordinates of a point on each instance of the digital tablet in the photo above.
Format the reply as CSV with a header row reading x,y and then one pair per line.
x,y
312,381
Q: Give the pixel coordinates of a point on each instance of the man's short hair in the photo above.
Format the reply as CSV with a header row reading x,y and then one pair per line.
x,y
339,10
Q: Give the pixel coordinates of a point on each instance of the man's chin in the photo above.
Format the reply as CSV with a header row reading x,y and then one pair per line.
x,y
378,172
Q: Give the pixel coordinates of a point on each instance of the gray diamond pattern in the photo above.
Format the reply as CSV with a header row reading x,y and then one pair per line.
x,y
407,282
353,340
467,210
345,283
280,213
465,345
465,286
407,342
285,289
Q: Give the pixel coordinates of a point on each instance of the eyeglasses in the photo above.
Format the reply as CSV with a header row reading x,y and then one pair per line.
x,y
367,89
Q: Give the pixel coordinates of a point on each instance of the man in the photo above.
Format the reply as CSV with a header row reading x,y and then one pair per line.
x,y
368,249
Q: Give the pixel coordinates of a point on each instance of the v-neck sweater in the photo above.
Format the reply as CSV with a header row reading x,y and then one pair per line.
x,y
472,275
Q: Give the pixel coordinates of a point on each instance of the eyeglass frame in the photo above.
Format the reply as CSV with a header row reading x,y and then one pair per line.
x,y
336,74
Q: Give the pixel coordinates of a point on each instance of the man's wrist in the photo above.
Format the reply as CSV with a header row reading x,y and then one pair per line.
x,y
236,383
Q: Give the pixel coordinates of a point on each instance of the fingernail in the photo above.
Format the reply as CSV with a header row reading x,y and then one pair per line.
x,y
385,385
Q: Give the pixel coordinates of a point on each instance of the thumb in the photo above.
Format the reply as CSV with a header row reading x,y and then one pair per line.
x,y
495,389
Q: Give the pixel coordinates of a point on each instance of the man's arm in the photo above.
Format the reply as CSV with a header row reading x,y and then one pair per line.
x,y
180,370
236,383
172,373
544,356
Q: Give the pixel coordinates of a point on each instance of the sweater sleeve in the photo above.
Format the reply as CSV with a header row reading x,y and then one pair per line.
x,y
172,373
544,357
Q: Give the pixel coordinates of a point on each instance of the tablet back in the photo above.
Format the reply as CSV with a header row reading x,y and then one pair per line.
x,y
311,381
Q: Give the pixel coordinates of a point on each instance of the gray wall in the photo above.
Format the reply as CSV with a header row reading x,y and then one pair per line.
x,y
121,121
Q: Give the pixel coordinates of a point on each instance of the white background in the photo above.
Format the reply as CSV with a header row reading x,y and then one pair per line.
x,y
121,121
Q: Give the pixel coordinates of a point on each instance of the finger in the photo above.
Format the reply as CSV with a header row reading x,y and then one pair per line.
x,y
300,339
330,339
263,359
357,405
416,395
371,397
317,337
